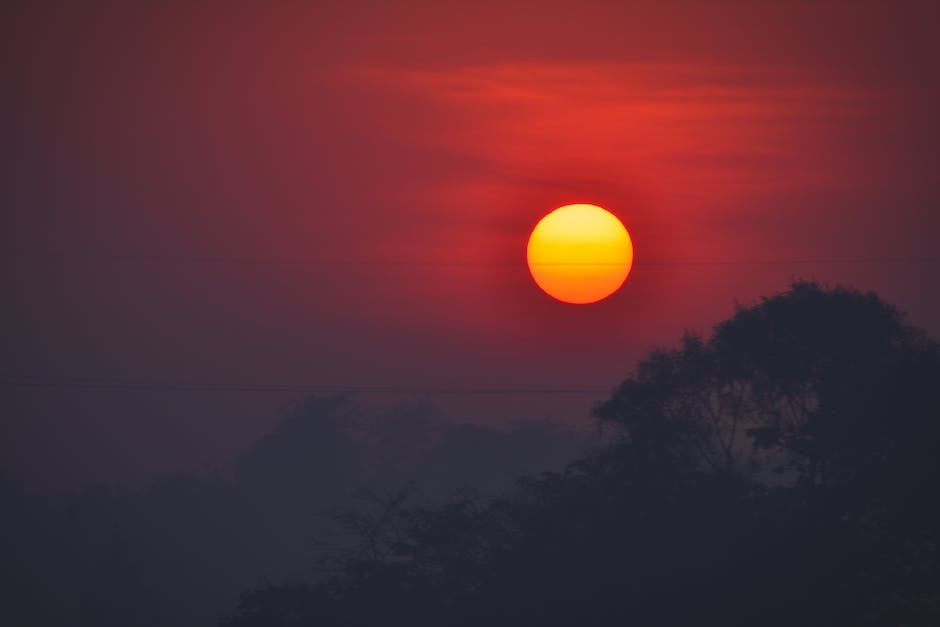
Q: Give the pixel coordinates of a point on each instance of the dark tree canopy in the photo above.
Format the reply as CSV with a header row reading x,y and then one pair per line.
x,y
818,385
781,472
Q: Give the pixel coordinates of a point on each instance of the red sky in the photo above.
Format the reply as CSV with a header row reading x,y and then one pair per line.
x,y
339,194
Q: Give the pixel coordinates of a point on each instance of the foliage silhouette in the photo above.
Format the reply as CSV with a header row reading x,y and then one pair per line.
x,y
781,472
178,550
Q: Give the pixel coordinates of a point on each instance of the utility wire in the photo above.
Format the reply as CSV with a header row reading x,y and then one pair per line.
x,y
203,386
333,261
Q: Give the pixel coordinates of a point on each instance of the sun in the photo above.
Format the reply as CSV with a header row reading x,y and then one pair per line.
x,y
579,253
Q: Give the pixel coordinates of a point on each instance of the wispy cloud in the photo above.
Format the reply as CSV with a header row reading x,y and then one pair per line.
x,y
673,127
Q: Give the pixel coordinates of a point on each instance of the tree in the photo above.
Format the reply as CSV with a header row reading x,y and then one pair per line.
x,y
815,384
779,472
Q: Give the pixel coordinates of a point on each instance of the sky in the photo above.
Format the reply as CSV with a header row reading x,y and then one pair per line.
x,y
212,208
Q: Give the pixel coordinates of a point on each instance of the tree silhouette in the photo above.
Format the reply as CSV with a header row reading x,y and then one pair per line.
x,y
779,472
179,549
819,384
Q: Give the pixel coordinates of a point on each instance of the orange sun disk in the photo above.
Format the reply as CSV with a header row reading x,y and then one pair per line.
x,y
579,253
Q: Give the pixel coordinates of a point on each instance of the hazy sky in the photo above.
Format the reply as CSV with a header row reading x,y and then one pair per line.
x,y
339,195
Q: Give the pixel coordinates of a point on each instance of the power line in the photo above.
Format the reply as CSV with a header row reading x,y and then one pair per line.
x,y
204,386
334,261
757,262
